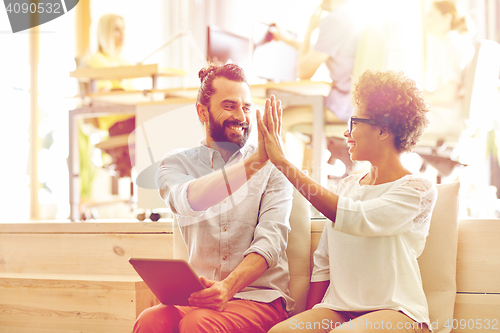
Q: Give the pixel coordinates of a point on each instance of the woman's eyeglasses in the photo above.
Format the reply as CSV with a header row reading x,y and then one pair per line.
x,y
359,120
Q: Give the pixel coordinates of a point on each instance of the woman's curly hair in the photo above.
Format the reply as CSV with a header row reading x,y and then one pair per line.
x,y
393,100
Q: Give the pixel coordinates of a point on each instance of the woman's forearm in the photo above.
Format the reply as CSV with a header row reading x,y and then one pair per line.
x,y
321,198
316,293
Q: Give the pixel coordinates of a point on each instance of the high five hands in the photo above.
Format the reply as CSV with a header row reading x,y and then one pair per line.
x,y
269,126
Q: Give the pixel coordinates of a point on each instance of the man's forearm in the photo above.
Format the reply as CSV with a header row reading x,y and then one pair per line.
x,y
211,189
305,45
249,270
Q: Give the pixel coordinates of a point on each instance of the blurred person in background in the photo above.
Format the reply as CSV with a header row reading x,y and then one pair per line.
x,y
339,32
448,50
110,40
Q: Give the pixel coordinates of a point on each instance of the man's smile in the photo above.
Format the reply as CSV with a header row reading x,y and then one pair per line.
x,y
237,127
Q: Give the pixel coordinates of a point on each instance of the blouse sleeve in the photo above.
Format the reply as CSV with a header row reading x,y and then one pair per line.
x,y
394,212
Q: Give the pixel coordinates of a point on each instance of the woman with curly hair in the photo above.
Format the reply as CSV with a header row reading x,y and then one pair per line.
x,y
366,275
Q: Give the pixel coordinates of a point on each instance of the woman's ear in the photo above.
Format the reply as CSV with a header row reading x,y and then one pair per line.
x,y
202,111
384,133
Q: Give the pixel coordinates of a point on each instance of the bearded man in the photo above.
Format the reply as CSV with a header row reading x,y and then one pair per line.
x,y
232,208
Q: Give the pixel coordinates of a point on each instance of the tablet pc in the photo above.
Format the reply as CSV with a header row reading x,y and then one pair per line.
x,y
171,280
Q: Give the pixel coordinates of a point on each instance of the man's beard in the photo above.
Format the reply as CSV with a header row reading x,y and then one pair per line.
x,y
218,132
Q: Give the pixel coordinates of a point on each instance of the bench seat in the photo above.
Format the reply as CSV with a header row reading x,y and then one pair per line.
x,y
71,302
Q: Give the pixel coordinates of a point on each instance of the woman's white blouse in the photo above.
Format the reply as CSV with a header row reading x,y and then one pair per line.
x,y
370,253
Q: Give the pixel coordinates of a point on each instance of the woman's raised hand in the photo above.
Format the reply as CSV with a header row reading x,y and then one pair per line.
x,y
269,125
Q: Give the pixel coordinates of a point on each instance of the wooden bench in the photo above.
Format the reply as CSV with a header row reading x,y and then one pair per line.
x,y
478,276
62,277
67,277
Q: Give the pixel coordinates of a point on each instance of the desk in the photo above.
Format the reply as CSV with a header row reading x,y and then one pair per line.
x,y
145,154
91,75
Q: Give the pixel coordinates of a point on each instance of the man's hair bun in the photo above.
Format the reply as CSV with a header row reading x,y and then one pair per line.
x,y
207,70
214,70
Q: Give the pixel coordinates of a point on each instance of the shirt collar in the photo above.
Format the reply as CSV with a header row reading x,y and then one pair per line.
x,y
208,155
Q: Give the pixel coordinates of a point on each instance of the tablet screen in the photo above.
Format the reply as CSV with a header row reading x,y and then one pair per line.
x,y
171,280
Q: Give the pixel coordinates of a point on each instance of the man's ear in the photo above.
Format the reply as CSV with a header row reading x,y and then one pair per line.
x,y
202,111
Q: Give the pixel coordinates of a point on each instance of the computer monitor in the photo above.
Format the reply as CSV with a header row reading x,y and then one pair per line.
x,y
272,60
226,47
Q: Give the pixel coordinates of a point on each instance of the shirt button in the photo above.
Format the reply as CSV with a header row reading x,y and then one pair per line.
x,y
224,229
224,258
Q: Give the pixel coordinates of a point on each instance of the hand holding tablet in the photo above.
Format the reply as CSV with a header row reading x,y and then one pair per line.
x,y
171,280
